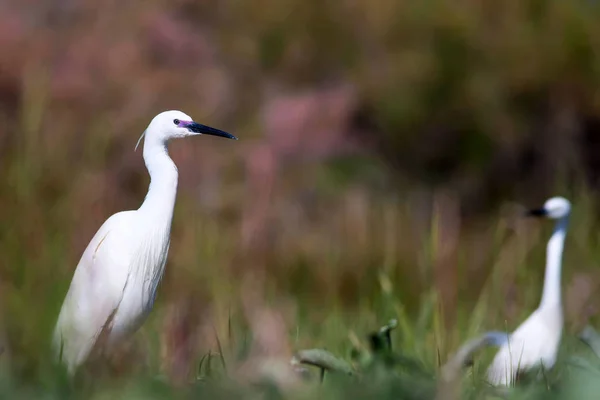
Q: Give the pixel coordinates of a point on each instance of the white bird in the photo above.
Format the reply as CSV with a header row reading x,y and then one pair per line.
x,y
115,283
451,372
535,342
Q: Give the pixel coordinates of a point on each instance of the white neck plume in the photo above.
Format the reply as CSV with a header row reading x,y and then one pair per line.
x,y
160,200
551,295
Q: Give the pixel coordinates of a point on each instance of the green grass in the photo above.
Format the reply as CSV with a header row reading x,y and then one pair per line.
x,y
219,333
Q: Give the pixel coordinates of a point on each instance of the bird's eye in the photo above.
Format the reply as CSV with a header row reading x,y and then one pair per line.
x,y
176,121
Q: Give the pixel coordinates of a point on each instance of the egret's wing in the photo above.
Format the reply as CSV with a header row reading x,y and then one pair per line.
x,y
95,292
507,362
532,343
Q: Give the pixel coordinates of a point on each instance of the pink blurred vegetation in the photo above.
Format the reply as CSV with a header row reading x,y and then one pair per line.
x,y
275,223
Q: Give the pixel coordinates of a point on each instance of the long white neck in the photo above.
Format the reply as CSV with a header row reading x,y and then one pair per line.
x,y
160,200
551,295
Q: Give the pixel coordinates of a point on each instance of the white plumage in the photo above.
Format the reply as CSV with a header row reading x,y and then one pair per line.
x,y
115,283
535,342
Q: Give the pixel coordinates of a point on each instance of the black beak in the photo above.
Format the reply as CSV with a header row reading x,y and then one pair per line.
x,y
207,130
538,212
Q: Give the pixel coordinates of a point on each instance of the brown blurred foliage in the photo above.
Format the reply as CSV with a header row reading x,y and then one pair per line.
x,y
364,125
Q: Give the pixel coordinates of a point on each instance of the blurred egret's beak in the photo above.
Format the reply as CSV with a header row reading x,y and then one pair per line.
x,y
207,130
538,212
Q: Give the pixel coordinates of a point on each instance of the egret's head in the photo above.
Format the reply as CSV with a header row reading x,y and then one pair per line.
x,y
555,208
495,338
175,124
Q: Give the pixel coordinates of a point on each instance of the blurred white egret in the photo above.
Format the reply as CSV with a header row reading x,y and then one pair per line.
x,y
115,283
535,342
451,372
591,337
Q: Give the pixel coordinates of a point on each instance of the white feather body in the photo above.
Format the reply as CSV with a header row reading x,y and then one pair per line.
x,y
536,341
533,344
116,280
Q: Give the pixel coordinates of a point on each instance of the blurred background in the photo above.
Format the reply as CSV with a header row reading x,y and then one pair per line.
x,y
385,147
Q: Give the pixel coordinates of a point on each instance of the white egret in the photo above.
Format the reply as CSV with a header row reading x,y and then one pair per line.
x,y
535,342
451,372
115,283
591,337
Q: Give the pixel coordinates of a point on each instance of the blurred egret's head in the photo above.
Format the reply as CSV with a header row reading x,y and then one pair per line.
x,y
554,208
